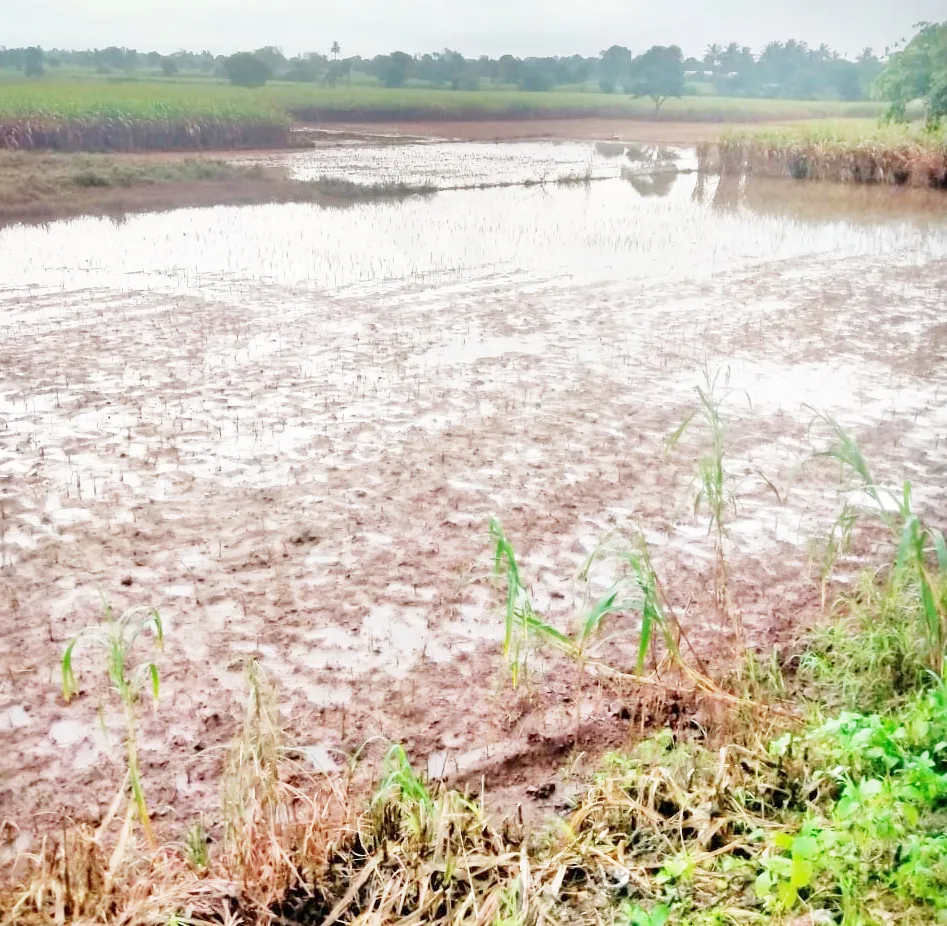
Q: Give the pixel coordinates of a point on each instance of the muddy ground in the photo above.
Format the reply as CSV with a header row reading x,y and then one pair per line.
x,y
286,428
629,130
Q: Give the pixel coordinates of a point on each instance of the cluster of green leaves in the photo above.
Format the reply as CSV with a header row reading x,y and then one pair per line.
x,y
918,72
919,571
880,836
636,590
844,824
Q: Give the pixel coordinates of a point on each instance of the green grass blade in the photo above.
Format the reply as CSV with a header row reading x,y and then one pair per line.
x,y
70,685
940,550
647,627
595,617
679,432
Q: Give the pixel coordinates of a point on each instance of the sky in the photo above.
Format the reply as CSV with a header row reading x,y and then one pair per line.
x,y
473,27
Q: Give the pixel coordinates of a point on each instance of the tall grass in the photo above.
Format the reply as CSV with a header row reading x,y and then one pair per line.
x,y
920,562
161,115
716,492
883,155
71,116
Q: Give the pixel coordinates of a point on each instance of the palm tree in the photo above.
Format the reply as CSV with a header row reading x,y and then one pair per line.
x,y
336,50
729,56
712,57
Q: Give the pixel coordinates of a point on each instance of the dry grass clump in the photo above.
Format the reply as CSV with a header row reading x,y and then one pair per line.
x,y
276,837
341,190
890,156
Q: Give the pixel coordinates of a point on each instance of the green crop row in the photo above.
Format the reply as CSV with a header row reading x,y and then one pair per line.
x,y
162,100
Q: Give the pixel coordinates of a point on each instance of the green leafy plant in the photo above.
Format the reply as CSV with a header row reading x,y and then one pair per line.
x,y
635,915
117,638
920,564
195,846
635,590
522,625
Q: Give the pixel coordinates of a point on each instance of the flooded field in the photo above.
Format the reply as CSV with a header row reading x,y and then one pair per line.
x,y
286,428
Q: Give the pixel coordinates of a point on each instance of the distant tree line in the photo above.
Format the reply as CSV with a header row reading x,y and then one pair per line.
x,y
790,70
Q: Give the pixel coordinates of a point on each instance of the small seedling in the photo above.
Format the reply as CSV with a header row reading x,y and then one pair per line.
x,y
117,637
195,846
636,590
522,625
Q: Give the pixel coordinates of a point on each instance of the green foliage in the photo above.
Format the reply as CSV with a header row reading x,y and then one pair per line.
x,y
634,915
870,656
879,834
919,575
918,72
615,68
394,69
399,780
658,73
247,70
33,62
635,590
195,846
117,638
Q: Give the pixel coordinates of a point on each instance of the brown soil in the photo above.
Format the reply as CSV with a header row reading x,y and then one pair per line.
x,y
598,129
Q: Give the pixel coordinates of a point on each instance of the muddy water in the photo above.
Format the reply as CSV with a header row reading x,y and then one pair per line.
x,y
286,427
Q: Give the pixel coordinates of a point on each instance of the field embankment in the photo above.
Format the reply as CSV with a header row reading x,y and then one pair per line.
x,y
139,116
36,187
896,156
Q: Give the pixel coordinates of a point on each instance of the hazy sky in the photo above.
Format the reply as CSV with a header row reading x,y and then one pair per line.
x,y
521,27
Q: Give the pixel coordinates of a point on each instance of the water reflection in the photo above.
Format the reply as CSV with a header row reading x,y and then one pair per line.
x,y
646,222
659,183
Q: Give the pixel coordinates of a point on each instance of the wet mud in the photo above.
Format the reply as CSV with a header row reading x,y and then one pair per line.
x,y
286,428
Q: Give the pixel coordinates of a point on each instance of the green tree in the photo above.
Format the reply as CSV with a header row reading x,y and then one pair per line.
x,y
614,67
712,57
336,50
272,57
659,74
33,62
509,69
246,70
169,67
918,72
536,76
393,70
